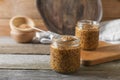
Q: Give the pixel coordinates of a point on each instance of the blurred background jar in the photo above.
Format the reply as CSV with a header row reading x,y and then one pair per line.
x,y
88,32
65,54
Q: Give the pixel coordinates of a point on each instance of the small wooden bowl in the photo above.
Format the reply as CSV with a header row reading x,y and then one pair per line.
x,y
22,35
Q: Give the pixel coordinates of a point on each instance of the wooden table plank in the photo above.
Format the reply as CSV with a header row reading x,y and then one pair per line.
x,y
24,61
51,75
42,62
14,55
9,46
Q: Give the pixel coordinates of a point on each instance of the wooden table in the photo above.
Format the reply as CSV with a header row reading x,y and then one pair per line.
x,y
106,71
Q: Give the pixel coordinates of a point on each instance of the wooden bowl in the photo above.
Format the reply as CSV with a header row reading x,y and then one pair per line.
x,y
22,35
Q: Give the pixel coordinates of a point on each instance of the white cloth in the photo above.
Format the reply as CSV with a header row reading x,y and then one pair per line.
x,y
44,37
110,31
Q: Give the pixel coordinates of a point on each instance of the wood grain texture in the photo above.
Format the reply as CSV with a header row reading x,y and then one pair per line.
x,y
51,75
108,71
22,61
111,9
9,46
105,52
9,9
28,7
5,28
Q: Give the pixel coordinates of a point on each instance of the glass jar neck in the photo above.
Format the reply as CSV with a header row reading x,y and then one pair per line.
x,y
66,41
88,24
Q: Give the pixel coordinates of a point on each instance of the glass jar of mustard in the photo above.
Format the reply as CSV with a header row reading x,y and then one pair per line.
x,y
88,32
65,54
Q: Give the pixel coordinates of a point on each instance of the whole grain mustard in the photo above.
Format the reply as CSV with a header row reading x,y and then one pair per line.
x,y
88,32
65,54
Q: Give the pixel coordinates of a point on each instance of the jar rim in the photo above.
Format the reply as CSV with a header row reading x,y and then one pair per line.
x,y
59,40
88,21
91,22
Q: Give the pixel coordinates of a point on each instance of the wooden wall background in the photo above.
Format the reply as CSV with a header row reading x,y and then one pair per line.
x,y
10,8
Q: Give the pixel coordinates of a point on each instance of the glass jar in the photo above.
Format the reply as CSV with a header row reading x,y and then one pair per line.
x,y
65,54
88,32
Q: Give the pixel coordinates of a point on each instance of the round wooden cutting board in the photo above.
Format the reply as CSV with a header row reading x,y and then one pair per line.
x,y
61,16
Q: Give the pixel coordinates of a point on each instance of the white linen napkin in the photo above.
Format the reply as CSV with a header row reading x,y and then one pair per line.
x,y
110,31
44,37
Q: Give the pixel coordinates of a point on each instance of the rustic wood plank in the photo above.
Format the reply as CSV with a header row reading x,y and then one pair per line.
x,y
10,8
24,61
111,9
104,53
51,75
43,62
23,56
9,46
110,3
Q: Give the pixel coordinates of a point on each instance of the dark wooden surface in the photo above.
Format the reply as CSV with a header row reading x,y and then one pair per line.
x,y
107,71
